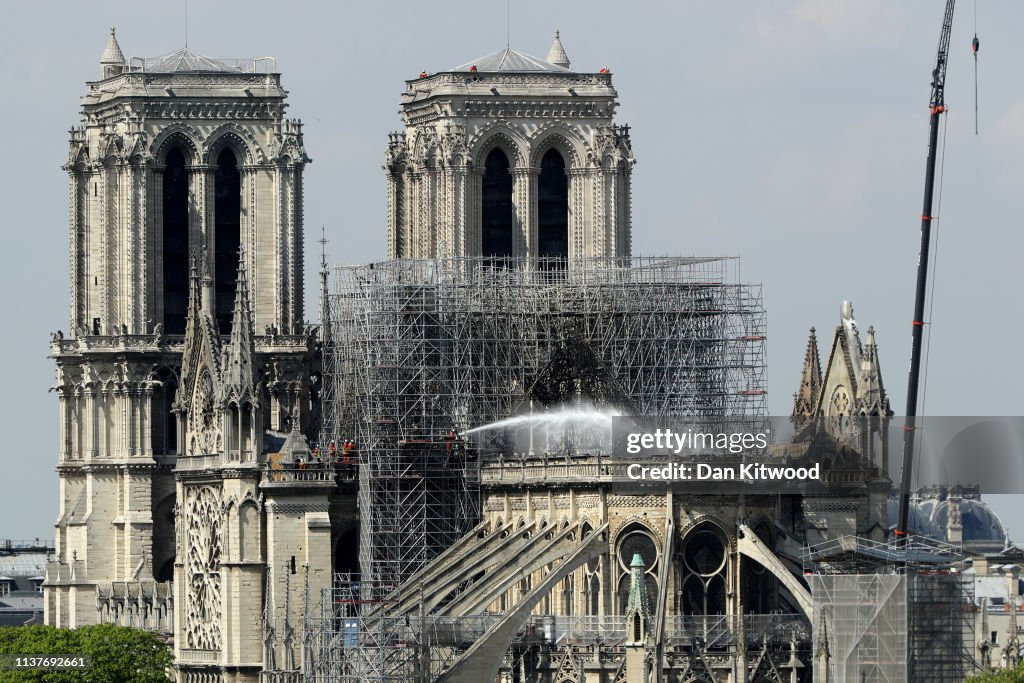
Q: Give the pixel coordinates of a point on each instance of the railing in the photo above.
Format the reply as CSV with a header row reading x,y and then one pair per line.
x,y
35,544
512,472
721,630
282,677
680,631
198,656
313,472
203,64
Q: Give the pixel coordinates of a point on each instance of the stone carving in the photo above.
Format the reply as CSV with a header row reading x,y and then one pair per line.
x,y
206,430
203,599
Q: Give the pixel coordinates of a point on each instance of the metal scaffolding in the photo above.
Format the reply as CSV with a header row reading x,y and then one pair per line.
x,y
860,632
896,611
348,639
419,351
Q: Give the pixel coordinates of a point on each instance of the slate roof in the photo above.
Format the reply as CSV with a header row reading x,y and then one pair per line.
x,y
23,564
511,61
186,60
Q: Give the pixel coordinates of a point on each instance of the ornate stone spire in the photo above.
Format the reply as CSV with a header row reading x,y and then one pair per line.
x,y
195,301
871,393
556,55
325,309
112,61
638,611
241,348
824,652
202,344
810,381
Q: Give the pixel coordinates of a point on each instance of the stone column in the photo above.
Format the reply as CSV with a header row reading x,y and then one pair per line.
x,y
156,254
524,211
473,242
200,220
140,231
75,253
147,420
577,213
92,420
295,247
248,230
119,404
65,422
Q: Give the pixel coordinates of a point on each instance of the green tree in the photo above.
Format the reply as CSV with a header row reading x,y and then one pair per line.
x,y
119,654
1014,675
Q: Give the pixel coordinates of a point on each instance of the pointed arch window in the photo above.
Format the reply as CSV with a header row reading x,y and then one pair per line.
x,y
227,235
553,207
636,540
175,242
496,211
704,567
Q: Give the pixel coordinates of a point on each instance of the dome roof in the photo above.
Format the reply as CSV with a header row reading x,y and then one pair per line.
x,y
930,517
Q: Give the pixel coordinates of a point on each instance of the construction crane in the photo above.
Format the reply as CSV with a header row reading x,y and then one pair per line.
x,y
937,107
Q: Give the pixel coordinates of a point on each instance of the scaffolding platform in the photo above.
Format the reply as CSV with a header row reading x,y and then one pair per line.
x,y
855,554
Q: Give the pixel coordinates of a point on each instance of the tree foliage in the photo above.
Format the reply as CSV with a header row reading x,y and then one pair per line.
x,y
1014,675
119,654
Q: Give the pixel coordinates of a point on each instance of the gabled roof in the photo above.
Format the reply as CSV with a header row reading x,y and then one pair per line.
x,y
509,60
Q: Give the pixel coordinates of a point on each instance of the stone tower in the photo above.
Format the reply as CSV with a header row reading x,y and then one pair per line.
x,y
509,156
185,176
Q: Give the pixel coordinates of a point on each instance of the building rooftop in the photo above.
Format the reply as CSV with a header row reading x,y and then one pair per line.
x,y
511,61
23,564
187,60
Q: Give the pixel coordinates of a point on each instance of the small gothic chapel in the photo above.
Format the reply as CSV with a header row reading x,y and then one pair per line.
x,y
187,360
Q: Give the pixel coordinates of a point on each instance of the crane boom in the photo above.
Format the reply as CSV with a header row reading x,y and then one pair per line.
x,y
937,107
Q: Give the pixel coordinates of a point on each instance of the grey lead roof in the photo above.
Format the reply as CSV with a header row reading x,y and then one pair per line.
x,y
22,564
509,60
188,61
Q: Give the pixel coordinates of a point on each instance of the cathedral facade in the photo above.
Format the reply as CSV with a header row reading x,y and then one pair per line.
x,y
190,389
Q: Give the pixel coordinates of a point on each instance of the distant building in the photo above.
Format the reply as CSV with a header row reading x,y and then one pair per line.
x,y
22,566
955,514
999,602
